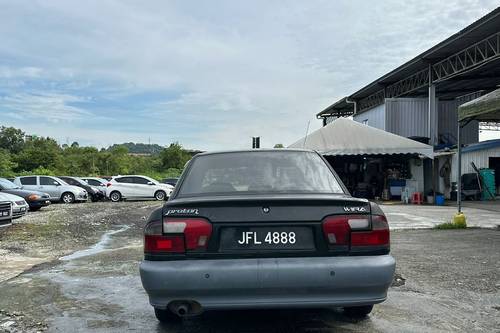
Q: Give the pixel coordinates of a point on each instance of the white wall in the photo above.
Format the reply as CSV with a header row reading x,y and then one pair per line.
x,y
374,117
479,157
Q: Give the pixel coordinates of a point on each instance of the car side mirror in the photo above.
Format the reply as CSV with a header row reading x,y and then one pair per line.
x,y
56,184
151,183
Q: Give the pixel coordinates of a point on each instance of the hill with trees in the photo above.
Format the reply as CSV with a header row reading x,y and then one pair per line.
x,y
21,154
139,148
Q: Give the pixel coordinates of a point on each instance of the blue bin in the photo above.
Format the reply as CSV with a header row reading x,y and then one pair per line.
x,y
440,200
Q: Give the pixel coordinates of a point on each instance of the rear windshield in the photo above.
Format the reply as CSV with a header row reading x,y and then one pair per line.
x,y
259,172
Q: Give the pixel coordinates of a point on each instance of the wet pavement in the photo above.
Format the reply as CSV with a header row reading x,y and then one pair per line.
x,y
447,281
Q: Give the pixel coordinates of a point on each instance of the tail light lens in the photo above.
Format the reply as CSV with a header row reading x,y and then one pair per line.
x,y
354,232
156,242
336,230
177,235
196,231
108,184
378,236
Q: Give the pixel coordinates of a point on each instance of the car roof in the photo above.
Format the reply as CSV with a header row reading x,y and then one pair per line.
x,y
258,150
130,176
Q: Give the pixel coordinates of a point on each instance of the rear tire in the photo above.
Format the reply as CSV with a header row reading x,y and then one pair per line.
x,y
160,196
68,197
358,311
115,196
34,209
166,316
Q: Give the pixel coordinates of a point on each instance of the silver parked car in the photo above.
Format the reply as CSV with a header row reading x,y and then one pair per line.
x,y
5,211
19,205
58,189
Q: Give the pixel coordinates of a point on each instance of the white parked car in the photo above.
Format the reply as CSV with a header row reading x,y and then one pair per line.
x,y
19,206
57,189
137,187
5,211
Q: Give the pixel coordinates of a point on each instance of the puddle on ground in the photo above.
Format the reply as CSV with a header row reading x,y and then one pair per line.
x,y
96,248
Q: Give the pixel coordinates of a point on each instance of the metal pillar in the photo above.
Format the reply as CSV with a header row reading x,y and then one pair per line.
x,y
432,121
459,170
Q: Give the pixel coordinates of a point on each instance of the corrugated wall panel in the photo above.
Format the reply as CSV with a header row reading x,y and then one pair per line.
x,y
407,116
448,111
479,157
374,117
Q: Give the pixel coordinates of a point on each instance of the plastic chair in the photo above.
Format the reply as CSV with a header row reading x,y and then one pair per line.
x,y
417,198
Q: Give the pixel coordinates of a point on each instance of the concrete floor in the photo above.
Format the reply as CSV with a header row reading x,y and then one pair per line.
x,y
402,216
446,280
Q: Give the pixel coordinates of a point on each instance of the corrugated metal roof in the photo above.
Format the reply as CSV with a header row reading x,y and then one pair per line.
x,y
482,145
485,77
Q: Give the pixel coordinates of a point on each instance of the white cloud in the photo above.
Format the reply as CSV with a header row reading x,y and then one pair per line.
x,y
240,68
47,106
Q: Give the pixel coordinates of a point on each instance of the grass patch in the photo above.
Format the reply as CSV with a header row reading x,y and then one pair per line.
x,y
450,225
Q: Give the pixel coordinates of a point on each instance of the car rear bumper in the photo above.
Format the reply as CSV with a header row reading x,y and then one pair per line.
x,y
269,282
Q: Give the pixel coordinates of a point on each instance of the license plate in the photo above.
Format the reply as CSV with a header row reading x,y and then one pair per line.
x,y
267,238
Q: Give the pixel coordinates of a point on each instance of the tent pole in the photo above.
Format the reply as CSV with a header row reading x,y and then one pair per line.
x,y
459,170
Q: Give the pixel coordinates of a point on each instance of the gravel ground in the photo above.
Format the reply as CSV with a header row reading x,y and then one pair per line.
x,y
59,229
447,281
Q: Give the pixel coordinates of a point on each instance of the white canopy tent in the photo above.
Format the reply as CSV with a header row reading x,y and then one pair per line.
x,y
347,137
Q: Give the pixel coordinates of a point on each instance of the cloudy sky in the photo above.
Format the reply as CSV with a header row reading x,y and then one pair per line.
x,y
208,74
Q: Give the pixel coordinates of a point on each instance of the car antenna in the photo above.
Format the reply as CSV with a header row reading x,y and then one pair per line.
x,y
307,132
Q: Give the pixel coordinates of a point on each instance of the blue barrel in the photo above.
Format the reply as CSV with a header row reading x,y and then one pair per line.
x,y
488,176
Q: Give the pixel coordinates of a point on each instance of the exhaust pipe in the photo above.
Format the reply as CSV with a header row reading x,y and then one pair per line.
x,y
182,310
185,308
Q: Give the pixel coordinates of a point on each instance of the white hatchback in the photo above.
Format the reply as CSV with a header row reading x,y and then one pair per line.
x,y
137,187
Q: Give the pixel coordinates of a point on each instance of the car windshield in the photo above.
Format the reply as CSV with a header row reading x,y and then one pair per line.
x,y
7,184
259,172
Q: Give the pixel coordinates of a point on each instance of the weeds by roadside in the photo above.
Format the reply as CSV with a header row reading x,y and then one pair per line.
x,y
451,225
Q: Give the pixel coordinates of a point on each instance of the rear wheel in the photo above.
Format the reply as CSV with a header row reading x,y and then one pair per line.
x,y
68,197
358,311
160,195
166,316
115,196
34,209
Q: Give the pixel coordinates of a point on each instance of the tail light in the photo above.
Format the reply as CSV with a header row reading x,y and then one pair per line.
x,y
177,235
108,184
336,230
354,232
378,236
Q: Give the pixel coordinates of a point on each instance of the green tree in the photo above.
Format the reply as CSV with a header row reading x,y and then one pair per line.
x,y
11,139
279,145
174,157
6,164
39,152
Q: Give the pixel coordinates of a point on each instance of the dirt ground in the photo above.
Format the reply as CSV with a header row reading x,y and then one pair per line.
x,y
87,280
